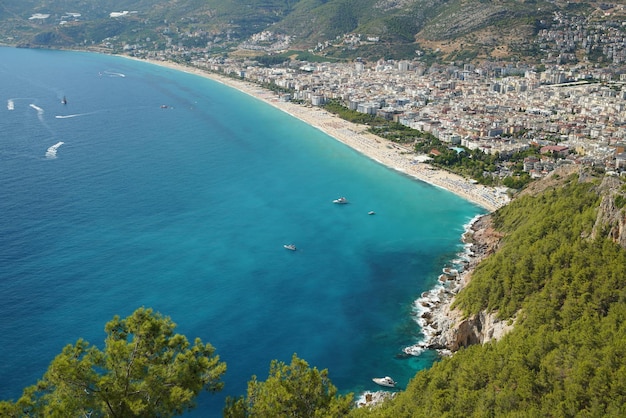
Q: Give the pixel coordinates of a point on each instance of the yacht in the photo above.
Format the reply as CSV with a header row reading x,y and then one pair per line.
x,y
385,381
291,247
341,201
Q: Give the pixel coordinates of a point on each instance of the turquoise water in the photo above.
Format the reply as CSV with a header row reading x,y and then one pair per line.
x,y
185,209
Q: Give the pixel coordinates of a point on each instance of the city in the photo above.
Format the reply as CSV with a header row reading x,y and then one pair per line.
x,y
571,106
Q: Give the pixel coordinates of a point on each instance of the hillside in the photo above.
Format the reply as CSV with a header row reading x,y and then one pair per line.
x,y
560,277
461,30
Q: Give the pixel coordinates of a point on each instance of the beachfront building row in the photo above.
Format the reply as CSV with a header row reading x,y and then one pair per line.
x,y
465,106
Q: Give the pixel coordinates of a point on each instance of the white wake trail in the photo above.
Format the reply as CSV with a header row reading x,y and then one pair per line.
x,y
51,153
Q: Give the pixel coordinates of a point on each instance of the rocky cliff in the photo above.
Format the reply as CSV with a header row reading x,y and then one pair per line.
x,y
448,329
611,218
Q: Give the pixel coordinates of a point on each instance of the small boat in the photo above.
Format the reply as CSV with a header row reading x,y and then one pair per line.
x,y
341,201
385,381
291,247
371,212
64,100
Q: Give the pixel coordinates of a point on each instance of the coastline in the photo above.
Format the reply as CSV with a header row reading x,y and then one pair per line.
x,y
356,137
432,312
447,330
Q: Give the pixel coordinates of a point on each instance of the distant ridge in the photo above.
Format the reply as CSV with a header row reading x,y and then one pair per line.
x,y
453,30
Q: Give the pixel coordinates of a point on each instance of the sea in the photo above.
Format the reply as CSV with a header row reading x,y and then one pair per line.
x,y
151,187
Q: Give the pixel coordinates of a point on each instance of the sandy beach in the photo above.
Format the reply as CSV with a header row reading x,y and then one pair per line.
x,y
356,136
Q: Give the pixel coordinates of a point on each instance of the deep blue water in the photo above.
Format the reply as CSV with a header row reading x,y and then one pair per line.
x,y
185,209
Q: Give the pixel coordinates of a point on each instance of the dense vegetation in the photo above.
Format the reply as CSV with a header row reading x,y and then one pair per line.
x,y
474,164
567,293
566,356
145,370
335,107
293,390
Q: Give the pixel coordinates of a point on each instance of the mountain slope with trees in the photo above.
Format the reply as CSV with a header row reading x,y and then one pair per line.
x,y
559,274
565,289
341,29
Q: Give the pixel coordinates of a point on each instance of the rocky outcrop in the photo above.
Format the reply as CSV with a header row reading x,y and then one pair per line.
x,y
611,216
447,329
457,332
371,399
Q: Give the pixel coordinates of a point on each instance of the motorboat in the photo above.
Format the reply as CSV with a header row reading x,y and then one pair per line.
x,y
341,201
371,212
291,247
385,381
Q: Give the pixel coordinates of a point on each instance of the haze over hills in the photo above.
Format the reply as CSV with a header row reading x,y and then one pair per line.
x,y
452,30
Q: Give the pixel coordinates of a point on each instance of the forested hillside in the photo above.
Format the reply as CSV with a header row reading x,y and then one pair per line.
x,y
335,29
566,292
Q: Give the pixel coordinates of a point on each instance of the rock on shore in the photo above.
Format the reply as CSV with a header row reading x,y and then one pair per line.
x,y
371,399
445,329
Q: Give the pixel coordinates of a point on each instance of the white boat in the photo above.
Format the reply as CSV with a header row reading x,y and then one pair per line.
x,y
291,247
385,381
371,212
341,201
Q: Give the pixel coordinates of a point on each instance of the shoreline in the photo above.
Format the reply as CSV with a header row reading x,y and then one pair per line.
x,y
432,309
444,329
355,136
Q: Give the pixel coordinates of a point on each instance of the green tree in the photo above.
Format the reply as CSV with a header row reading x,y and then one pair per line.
x,y
293,390
145,370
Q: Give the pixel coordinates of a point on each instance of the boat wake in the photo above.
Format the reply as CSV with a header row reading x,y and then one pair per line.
x,y
112,74
51,153
39,111
70,116
37,108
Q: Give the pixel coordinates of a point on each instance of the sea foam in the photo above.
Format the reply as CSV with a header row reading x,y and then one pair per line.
x,y
447,286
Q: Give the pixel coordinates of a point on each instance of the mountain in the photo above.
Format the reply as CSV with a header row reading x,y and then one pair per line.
x,y
459,30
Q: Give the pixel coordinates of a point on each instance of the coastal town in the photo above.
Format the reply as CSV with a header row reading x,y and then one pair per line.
x,y
572,109
569,103
573,115
523,315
